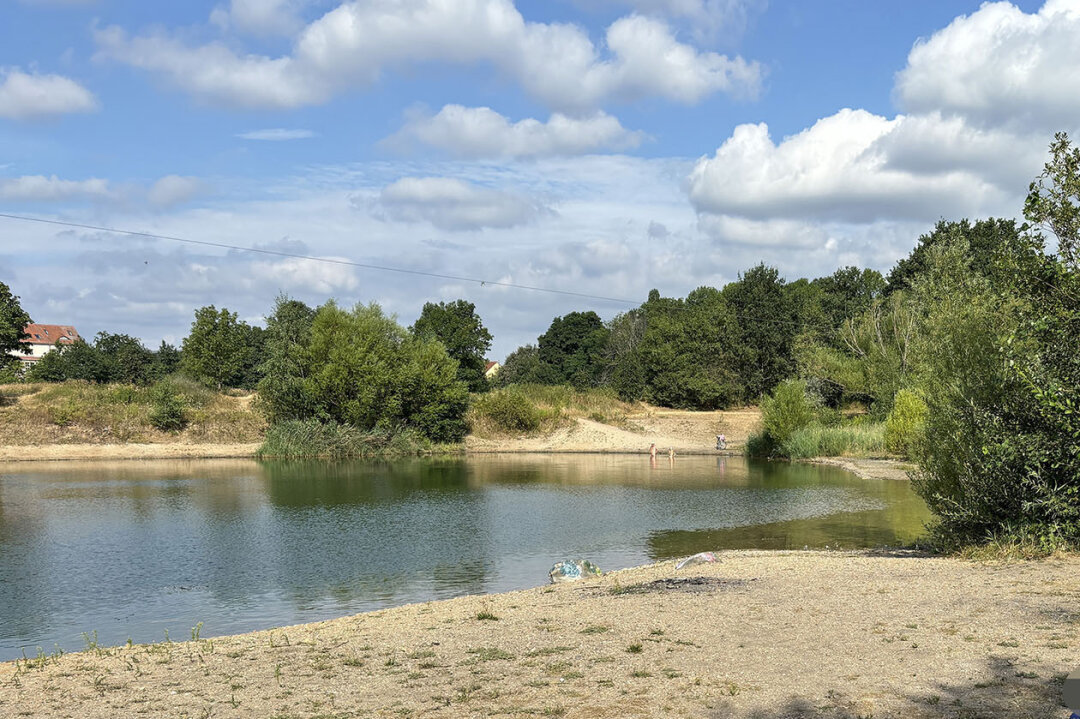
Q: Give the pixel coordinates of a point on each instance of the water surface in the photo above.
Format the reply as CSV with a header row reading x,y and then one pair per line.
x,y
132,549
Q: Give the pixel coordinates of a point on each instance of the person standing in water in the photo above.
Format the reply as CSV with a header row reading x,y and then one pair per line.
x,y
652,450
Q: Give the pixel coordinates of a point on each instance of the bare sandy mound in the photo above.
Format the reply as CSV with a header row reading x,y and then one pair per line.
x,y
763,634
683,431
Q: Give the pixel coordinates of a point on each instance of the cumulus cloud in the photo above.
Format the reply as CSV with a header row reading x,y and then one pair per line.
x,y
260,17
28,95
452,204
38,188
353,44
276,135
849,166
320,277
1000,66
174,190
479,132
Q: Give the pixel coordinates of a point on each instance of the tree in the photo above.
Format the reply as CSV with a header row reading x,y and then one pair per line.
x,y
216,351
125,357
1053,199
13,320
78,360
573,347
166,361
986,240
524,366
281,389
848,292
767,326
459,328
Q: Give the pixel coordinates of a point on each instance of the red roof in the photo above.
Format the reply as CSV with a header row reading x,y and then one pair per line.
x,y
50,334
490,364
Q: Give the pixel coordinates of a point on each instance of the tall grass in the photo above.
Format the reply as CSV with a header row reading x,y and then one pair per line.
x,y
535,408
330,440
862,439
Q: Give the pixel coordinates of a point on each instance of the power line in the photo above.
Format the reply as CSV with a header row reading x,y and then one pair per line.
x,y
382,268
311,258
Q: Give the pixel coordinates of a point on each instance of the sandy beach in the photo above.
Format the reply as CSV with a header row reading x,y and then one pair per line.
x,y
761,634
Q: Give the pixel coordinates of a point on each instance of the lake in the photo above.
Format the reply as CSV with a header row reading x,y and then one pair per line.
x,y
135,549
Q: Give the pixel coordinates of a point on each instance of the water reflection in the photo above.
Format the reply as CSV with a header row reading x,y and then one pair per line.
x,y
135,548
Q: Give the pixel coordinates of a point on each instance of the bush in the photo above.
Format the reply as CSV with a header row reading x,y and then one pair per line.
x,y
906,423
167,409
331,440
505,410
786,411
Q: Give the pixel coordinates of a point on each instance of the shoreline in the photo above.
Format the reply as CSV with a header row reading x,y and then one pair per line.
x,y
762,633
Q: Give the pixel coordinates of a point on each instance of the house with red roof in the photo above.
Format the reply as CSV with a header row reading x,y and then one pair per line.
x,y
491,369
42,339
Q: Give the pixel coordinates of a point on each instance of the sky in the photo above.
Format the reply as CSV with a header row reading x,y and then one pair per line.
x,y
598,147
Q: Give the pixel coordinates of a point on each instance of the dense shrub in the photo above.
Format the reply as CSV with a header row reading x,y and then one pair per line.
x,y
166,409
816,440
505,410
787,410
906,423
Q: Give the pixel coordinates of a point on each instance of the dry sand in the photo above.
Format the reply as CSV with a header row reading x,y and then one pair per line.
x,y
55,452
762,634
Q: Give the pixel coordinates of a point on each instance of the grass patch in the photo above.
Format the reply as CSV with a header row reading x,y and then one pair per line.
x,y
861,439
539,409
79,412
595,629
330,440
490,654
486,617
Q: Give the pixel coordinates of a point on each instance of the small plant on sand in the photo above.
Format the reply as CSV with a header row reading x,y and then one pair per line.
x,y
487,617
634,648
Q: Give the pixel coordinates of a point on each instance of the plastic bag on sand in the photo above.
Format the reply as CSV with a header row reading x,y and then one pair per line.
x,y
699,558
573,570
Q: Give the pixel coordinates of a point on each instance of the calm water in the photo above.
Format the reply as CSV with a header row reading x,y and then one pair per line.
x,y
133,549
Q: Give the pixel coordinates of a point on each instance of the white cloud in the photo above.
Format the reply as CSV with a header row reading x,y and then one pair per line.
x,y
276,135
452,204
260,17
356,42
27,95
38,188
706,18
321,277
174,190
1000,66
476,132
852,166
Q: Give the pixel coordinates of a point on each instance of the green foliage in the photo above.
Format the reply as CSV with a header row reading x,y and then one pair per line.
x,y
765,330
1053,199
986,240
125,358
816,440
523,366
906,423
13,319
218,349
689,352
282,395
167,408
331,440
787,410
573,347
76,361
360,368
508,411
848,292
460,330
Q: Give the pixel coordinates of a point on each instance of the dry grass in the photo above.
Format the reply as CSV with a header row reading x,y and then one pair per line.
x,y
762,634
84,413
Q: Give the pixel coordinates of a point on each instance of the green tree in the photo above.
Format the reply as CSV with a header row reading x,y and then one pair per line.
x,y
1053,200
166,361
76,361
986,241
459,328
216,351
524,366
848,292
282,394
624,369
13,320
766,329
573,347
125,357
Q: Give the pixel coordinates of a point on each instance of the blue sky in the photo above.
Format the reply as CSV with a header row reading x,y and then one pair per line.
x,y
596,146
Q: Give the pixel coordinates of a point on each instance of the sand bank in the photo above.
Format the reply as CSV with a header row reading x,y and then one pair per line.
x,y
763,634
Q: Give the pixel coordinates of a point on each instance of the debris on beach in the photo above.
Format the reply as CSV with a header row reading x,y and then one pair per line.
x,y
573,570
699,558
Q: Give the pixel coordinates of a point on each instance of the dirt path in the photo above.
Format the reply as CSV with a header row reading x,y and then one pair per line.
x,y
54,452
763,634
